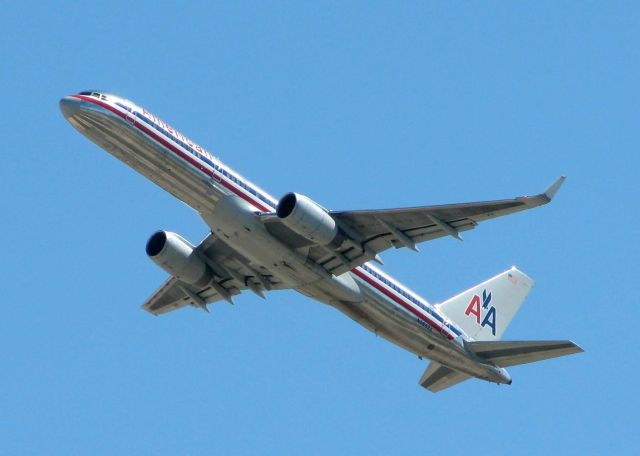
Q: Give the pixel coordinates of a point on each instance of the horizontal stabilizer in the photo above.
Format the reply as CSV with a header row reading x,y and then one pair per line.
x,y
438,377
512,353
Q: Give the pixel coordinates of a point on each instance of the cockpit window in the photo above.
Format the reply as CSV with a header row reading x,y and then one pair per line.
x,y
98,95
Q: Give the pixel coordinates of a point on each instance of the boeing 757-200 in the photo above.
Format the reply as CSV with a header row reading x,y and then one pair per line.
x,y
258,243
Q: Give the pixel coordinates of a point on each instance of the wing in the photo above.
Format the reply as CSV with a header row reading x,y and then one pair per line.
x,y
232,275
369,232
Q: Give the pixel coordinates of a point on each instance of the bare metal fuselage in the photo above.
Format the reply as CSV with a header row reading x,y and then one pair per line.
x,y
233,219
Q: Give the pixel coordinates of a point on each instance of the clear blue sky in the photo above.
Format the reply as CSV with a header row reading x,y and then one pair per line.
x,y
370,105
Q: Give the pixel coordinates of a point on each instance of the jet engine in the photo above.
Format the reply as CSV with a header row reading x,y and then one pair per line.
x,y
307,218
178,257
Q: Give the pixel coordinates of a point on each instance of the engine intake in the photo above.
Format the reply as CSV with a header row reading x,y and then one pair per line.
x,y
307,218
178,257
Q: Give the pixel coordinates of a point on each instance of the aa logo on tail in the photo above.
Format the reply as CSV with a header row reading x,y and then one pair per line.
x,y
474,308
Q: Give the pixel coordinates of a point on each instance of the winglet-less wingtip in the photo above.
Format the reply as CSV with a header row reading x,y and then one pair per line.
x,y
553,188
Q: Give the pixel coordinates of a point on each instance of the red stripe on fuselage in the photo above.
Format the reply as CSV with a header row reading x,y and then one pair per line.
x,y
253,202
399,300
188,158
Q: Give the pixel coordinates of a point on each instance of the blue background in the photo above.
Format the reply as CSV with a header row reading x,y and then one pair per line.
x,y
365,105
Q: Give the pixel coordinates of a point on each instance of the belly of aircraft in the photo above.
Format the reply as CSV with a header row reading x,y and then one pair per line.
x,y
151,159
392,323
234,221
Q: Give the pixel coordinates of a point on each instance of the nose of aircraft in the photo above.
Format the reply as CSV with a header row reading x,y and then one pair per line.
x,y
69,106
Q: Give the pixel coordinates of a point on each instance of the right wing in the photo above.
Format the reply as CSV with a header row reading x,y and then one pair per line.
x,y
369,232
232,274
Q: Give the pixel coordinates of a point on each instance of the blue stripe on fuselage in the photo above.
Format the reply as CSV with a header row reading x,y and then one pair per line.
x,y
400,292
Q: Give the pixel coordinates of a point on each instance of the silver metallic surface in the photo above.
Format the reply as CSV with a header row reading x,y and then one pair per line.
x,y
178,257
247,250
307,218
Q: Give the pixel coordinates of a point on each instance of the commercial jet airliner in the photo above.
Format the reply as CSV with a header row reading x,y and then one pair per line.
x,y
258,243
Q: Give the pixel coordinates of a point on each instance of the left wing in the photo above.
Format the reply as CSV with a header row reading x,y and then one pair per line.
x,y
369,232
232,275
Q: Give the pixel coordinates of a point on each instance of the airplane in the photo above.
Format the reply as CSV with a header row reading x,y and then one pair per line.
x,y
258,244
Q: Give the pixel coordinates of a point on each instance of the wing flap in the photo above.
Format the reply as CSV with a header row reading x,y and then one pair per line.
x,y
421,223
174,294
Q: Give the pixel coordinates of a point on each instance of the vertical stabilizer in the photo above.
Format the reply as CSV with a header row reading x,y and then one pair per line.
x,y
484,311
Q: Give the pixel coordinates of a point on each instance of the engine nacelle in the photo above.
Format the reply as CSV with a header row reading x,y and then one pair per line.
x,y
178,257
307,218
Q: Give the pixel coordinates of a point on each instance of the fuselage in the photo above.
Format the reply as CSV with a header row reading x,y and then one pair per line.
x,y
229,204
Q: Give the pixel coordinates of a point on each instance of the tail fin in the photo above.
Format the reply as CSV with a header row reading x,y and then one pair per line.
x,y
484,311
